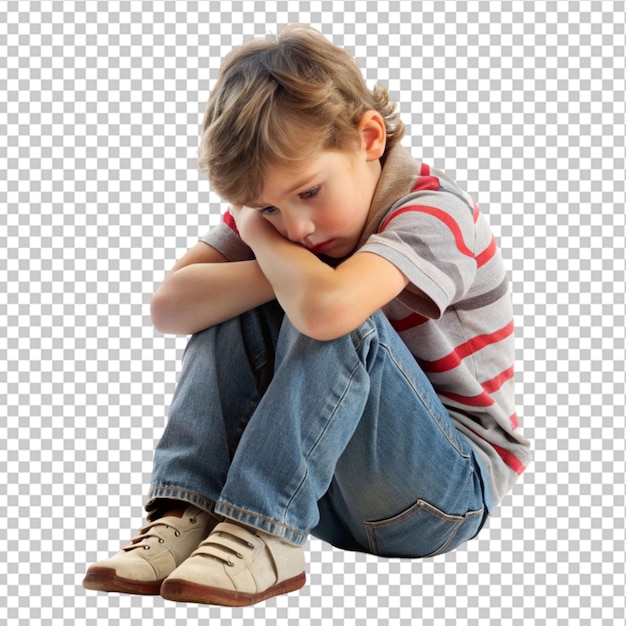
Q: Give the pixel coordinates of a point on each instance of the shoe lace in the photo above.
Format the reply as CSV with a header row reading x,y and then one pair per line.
x,y
226,543
158,531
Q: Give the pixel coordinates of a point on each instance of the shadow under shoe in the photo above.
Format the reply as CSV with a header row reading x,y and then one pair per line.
x,y
161,546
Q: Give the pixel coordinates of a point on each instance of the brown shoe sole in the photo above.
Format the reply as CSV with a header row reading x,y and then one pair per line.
x,y
184,591
104,579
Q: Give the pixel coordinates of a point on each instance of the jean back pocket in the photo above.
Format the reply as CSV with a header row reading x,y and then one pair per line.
x,y
422,531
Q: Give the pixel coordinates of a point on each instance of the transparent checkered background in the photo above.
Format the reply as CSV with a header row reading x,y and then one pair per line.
x,y
100,105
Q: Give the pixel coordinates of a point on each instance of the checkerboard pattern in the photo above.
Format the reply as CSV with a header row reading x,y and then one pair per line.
x,y
100,106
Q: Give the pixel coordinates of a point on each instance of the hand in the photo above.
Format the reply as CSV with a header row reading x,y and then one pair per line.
x,y
250,224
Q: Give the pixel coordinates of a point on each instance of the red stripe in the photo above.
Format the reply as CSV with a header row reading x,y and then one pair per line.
x,y
487,254
425,170
483,399
438,214
514,421
476,211
406,323
508,457
464,350
229,220
497,381
426,183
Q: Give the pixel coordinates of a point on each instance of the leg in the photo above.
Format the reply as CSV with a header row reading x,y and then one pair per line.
x,y
354,424
225,371
407,484
357,412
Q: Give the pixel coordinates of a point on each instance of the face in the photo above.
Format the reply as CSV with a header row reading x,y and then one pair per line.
x,y
322,203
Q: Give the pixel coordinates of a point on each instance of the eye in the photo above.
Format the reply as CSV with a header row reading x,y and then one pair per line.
x,y
311,193
268,210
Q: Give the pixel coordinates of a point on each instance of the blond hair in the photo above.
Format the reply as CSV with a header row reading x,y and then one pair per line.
x,y
280,100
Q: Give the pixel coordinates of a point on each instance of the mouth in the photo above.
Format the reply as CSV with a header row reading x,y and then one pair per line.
x,y
320,248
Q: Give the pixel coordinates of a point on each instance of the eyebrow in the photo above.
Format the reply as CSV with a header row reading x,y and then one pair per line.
x,y
302,184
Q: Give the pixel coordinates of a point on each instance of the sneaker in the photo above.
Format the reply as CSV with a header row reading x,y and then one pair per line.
x,y
237,566
160,547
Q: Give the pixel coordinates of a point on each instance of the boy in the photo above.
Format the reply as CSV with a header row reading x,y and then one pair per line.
x,y
350,372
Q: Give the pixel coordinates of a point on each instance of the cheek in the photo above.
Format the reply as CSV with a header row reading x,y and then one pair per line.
x,y
346,211
347,221
355,212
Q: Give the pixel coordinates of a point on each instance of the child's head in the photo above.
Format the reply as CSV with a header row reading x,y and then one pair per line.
x,y
281,101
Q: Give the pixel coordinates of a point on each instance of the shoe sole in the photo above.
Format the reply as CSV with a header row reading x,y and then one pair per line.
x,y
105,579
185,591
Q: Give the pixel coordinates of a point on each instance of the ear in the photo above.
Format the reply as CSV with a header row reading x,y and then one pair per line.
x,y
371,127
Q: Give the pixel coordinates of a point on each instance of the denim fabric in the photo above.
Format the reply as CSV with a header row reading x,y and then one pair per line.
x,y
343,439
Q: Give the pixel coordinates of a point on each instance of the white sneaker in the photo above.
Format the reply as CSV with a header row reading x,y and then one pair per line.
x,y
160,547
237,566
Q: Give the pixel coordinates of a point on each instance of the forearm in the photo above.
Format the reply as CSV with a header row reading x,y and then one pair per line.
x,y
321,301
201,295
305,287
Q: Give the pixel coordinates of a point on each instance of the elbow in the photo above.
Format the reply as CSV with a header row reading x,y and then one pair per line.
x,y
325,328
325,321
320,333
172,314
162,312
157,312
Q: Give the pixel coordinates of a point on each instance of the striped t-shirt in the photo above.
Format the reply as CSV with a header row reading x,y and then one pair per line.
x,y
455,315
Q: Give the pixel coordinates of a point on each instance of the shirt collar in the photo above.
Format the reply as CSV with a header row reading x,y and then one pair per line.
x,y
397,178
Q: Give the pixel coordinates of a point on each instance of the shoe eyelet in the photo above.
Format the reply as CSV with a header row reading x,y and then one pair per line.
x,y
161,540
193,520
177,533
239,556
250,545
230,564
146,547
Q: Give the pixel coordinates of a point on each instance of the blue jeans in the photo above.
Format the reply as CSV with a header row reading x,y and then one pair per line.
x,y
343,439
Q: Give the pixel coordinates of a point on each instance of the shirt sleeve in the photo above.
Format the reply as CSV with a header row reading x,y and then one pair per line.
x,y
226,240
431,240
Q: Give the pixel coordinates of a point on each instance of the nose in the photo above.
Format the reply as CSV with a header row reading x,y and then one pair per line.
x,y
298,226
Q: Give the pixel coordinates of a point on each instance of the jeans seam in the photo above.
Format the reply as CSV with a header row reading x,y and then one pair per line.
x,y
160,492
372,528
231,507
320,436
399,367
